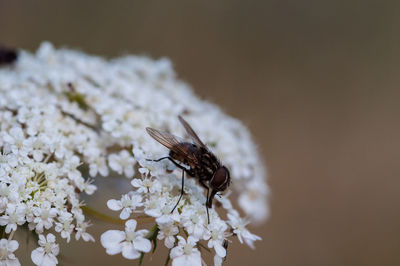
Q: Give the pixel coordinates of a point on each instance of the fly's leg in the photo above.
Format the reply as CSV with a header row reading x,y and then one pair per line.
x,y
208,215
208,192
182,192
183,176
157,160
171,159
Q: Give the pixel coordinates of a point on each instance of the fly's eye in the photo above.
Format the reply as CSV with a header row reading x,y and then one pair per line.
x,y
221,178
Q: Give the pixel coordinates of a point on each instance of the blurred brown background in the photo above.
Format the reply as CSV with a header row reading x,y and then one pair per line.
x,y
316,82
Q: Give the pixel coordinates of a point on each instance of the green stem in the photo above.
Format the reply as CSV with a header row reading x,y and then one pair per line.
x,y
102,216
99,215
168,259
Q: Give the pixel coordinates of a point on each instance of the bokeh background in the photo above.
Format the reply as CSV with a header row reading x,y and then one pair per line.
x,y
317,83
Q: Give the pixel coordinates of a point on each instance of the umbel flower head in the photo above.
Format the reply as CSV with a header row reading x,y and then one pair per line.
x,y
67,117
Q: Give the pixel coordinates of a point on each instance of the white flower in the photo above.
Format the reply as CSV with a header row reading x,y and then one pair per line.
x,y
168,232
130,243
216,235
186,253
7,248
155,205
15,215
147,185
65,226
15,141
122,163
98,164
8,194
239,228
44,216
46,254
194,219
128,204
252,200
8,161
81,232
70,168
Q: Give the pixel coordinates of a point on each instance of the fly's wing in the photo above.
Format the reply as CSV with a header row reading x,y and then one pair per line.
x,y
191,132
173,143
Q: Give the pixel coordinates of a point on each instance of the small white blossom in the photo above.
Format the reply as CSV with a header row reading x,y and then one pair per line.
x,y
44,216
194,219
239,228
65,225
7,249
71,168
46,254
98,165
122,163
216,236
8,161
252,200
146,185
168,232
15,141
185,253
154,206
130,242
15,215
81,232
128,204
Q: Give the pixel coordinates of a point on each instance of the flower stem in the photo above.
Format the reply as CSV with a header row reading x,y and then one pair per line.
x,y
110,219
102,216
10,237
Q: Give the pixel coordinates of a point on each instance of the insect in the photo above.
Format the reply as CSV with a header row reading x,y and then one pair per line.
x,y
194,159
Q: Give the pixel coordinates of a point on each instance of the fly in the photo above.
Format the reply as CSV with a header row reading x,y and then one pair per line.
x,y
194,159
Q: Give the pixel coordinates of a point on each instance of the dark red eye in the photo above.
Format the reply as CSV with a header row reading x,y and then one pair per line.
x,y
221,179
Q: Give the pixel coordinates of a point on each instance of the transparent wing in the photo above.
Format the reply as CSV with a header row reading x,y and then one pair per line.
x,y
173,143
168,140
191,132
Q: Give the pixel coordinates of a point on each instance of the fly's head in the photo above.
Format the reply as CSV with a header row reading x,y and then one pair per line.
x,y
219,182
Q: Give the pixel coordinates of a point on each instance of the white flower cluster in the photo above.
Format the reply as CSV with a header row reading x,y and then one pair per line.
x,y
66,117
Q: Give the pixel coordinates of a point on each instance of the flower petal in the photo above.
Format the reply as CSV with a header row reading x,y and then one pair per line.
x,y
131,225
37,256
129,252
129,172
192,260
50,238
115,249
217,260
112,238
13,262
126,212
176,252
136,182
219,249
13,245
169,241
49,260
114,205
142,244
